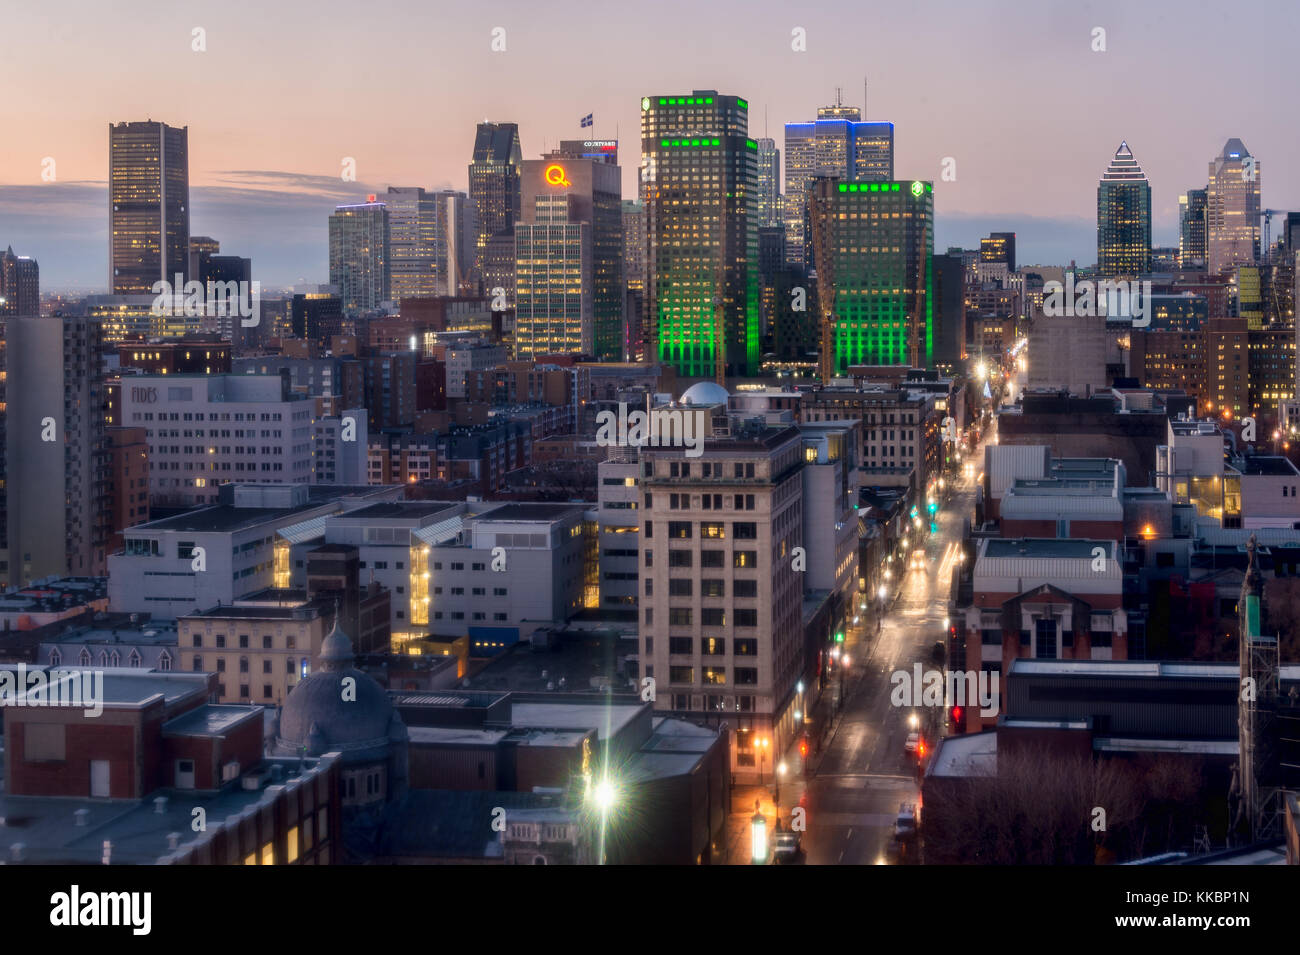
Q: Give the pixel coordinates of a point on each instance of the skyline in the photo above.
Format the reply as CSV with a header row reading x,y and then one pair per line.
x,y
264,183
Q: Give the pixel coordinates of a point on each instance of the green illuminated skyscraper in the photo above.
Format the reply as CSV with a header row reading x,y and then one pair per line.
x,y
699,178
875,249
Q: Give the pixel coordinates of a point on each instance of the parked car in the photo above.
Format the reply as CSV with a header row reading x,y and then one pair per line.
x,y
785,847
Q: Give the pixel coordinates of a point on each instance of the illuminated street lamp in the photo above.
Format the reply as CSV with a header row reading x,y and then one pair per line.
x,y
758,837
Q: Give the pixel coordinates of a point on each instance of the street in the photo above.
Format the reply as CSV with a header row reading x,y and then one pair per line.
x,y
854,789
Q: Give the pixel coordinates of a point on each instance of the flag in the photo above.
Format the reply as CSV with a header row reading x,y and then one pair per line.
x,y
587,120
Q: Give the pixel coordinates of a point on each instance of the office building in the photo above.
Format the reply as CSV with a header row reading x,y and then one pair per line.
x,y
1232,208
1123,217
494,192
999,247
836,145
880,237
569,258
636,278
769,184
699,189
721,603
20,285
208,430
1191,229
360,255
148,206
413,243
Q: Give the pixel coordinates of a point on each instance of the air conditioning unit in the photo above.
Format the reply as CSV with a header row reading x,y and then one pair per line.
x,y
230,771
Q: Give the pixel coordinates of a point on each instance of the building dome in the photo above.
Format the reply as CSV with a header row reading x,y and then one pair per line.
x,y
327,713
705,393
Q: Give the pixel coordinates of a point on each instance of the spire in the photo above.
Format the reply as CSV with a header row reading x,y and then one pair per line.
x,y
336,649
1124,167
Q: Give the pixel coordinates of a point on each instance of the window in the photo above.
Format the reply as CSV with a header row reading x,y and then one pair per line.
x,y
679,558
713,558
221,640
747,617
679,529
649,558
681,674
745,558
243,641
745,588
679,587
243,664
745,530
684,645
746,676
713,617
649,529
266,666
991,638
713,646
747,647
266,642
197,640
713,531
713,588
679,617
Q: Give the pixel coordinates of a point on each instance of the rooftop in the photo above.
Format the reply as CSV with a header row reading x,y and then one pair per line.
x,y
1031,547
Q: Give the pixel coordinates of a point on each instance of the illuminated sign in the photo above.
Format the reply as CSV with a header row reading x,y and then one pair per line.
x,y
371,198
556,176
917,188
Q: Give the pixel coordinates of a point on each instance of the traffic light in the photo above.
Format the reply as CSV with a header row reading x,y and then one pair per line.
x,y
921,749
957,719
839,636
803,748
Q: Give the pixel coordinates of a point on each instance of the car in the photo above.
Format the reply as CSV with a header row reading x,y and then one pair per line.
x,y
913,742
918,559
785,847
905,824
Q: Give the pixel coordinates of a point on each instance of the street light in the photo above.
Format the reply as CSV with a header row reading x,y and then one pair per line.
x,y
758,837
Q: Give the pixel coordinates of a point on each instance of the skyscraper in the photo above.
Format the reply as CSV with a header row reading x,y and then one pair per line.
x,y
569,249
1232,208
769,184
413,236
837,145
1191,229
635,277
999,247
698,186
148,206
876,243
20,284
494,190
359,255
1123,217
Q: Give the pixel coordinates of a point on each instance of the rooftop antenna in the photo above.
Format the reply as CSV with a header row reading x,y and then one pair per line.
x,y
864,97
839,99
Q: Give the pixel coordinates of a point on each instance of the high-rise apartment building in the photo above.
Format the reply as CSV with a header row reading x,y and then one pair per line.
x,y
879,240
55,516
360,256
148,206
1232,208
569,262
20,284
1123,217
1191,229
494,191
837,145
698,187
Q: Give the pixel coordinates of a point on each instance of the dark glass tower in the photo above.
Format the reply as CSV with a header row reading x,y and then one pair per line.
x,y
1123,217
494,191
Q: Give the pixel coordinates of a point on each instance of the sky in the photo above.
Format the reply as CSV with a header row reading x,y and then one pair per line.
x,y
1012,91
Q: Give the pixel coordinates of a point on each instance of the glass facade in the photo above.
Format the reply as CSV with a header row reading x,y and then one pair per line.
x,y
1123,217
149,203
699,190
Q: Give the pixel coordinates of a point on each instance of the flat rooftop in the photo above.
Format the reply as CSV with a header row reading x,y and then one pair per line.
x,y
1267,464
607,720
211,719
1035,547
531,512
397,510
